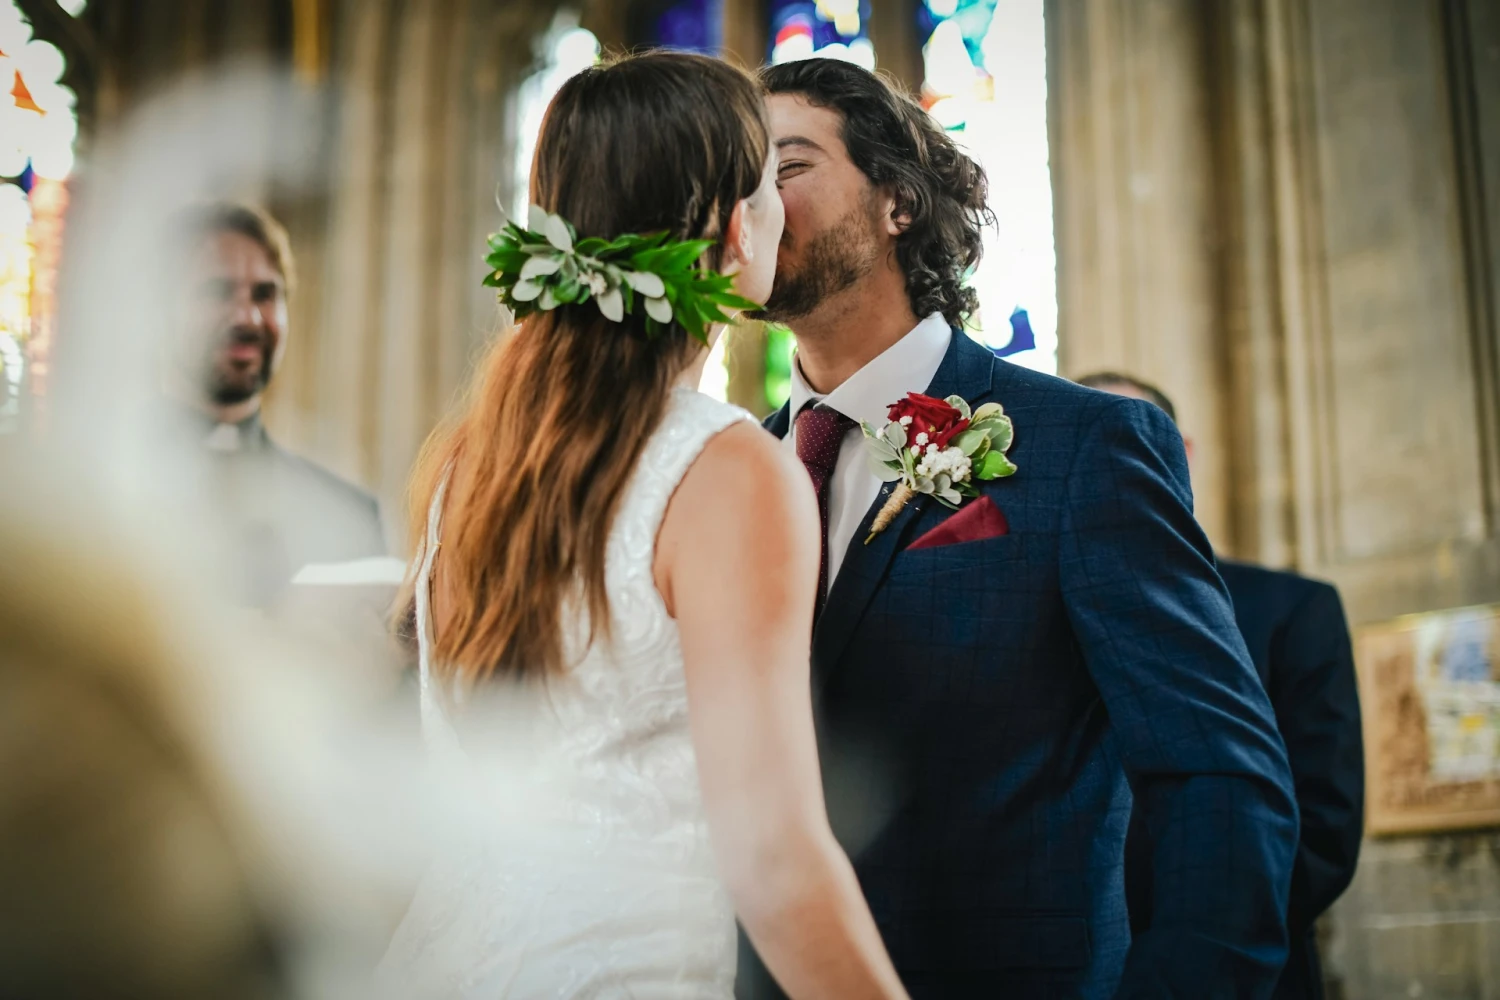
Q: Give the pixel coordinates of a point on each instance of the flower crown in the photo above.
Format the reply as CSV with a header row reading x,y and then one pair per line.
x,y
546,265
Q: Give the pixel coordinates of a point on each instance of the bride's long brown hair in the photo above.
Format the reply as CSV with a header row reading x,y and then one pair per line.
x,y
561,409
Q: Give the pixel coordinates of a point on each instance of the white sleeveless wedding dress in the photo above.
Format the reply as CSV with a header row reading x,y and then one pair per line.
x,y
578,863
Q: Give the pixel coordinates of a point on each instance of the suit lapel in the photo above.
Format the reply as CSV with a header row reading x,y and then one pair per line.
x,y
780,422
967,371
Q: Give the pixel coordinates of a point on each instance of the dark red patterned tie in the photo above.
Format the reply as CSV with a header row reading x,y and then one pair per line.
x,y
820,433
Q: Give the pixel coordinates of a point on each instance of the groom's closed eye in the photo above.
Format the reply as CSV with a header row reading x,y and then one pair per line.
x,y
797,155
791,168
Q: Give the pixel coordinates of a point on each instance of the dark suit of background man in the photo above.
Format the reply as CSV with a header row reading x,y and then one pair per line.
x,y
269,511
1298,638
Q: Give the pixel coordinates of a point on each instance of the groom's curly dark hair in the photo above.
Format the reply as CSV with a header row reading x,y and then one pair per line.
x,y
897,144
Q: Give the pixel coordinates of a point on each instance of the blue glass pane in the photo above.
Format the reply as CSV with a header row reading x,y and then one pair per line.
x,y
985,79
691,25
972,17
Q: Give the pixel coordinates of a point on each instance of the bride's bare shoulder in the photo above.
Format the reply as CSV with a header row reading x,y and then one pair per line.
x,y
746,459
744,473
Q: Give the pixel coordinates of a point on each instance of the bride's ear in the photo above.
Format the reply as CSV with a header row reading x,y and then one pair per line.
x,y
739,246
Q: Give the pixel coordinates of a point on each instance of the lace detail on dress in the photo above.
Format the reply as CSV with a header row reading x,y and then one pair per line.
x,y
579,863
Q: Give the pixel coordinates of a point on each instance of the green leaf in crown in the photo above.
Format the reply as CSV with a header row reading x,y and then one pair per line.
x,y
546,265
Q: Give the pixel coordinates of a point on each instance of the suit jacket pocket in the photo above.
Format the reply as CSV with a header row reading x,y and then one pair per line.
x,y
959,557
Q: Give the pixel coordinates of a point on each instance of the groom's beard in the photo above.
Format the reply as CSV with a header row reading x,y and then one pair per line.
x,y
833,261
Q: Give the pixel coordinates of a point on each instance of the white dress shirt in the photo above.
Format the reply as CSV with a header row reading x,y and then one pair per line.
x,y
908,365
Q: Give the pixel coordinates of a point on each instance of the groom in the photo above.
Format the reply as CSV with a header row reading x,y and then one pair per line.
x,y
992,696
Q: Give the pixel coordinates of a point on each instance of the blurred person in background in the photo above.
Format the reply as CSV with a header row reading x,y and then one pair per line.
x,y
1299,641
273,511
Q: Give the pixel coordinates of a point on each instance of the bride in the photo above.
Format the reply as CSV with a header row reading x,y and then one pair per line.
x,y
615,594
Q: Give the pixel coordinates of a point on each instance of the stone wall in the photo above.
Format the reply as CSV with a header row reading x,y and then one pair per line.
x,y
1286,212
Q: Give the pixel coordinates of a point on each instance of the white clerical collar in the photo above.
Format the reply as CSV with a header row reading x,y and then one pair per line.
x,y
223,437
908,365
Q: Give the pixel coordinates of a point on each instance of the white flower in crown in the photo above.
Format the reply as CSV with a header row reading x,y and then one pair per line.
x,y
951,448
546,265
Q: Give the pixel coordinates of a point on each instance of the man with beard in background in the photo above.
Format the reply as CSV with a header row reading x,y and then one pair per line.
x,y
272,511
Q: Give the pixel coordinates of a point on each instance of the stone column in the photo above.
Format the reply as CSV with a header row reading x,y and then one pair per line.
x,y
893,32
348,368
427,126
1132,172
745,26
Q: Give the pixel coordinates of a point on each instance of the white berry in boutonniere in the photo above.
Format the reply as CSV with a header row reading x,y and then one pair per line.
x,y
937,447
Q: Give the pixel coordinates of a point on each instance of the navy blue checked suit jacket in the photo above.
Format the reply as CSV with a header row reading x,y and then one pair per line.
x,y
1299,642
986,708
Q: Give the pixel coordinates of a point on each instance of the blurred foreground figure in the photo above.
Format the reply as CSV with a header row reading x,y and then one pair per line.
x,y
276,512
1299,640
120,873
194,802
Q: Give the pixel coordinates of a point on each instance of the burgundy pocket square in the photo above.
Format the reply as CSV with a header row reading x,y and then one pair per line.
x,y
975,521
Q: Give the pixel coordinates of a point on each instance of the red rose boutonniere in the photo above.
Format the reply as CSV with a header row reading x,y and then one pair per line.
x,y
938,447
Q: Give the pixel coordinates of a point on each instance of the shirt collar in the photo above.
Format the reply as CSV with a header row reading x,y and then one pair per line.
x,y
908,365
246,435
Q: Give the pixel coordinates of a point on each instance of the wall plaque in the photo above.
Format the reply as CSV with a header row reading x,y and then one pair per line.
x,y
1429,688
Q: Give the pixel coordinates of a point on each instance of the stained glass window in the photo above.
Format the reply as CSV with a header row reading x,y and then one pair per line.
x,y
38,128
563,51
830,29
986,81
686,25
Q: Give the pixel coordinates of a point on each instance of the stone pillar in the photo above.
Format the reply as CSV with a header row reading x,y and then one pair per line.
x,y
347,366
1390,365
1132,173
609,21
745,26
893,32
312,28
426,130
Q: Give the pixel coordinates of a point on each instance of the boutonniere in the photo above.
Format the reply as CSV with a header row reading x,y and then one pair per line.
x,y
937,447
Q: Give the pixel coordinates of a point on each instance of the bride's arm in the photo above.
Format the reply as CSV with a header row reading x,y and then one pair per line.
x,y
737,563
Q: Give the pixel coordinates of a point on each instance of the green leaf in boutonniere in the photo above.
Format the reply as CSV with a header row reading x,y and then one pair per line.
x,y
938,448
995,466
971,440
986,411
